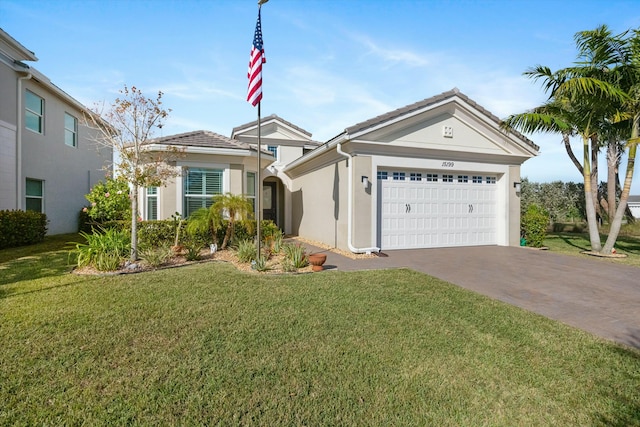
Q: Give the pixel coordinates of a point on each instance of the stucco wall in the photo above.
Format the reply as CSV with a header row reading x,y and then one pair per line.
x,y
68,172
319,205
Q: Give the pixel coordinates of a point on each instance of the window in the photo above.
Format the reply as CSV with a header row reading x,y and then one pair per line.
x,y
415,176
34,112
447,178
463,178
34,195
491,180
200,186
432,177
273,149
477,179
70,130
398,176
383,175
251,190
152,203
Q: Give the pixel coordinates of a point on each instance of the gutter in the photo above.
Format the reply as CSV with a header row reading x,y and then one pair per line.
x,y
350,205
19,140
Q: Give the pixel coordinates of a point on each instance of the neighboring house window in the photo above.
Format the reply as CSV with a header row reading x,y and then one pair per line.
x,y
463,178
491,180
383,175
415,176
34,112
477,179
447,178
398,176
152,203
70,130
251,189
432,177
200,186
34,195
274,150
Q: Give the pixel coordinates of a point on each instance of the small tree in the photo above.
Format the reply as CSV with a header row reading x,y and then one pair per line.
x,y
127,127
109,201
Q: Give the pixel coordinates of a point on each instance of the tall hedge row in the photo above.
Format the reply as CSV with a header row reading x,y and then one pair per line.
x,y
18,228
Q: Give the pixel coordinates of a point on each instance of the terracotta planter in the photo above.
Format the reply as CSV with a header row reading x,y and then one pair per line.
x,y
316,261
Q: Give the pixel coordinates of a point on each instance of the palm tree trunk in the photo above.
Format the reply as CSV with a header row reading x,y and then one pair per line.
x,y
624,197
592,220
612,166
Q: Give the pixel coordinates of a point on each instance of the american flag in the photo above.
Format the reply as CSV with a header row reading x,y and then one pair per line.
x,y
254,95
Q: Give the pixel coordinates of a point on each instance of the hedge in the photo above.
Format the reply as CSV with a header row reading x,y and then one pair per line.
x,y
19,228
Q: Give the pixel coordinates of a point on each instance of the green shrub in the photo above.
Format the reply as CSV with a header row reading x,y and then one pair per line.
x,y
104,250
534,225
18,228
260,264
156,256
109,201
296,254
246,251
193,250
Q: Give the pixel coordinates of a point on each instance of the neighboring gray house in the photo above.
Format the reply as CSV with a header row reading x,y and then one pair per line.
x,y
634,206
47,162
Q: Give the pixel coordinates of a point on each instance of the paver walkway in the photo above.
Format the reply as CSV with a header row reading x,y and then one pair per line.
x,y
588,293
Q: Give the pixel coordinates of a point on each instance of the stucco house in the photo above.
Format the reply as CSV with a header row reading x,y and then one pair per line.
x,y
209,164
48,161
437,173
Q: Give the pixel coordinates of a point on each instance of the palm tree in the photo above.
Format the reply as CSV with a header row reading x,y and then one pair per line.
x,y
234,207
591,100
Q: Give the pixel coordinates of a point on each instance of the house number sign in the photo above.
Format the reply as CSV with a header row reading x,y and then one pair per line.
x,y
447,164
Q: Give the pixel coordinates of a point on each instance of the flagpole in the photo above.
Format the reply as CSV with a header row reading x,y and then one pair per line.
x,y
259,189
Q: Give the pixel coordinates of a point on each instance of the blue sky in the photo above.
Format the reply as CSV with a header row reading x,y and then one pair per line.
x,y
330,63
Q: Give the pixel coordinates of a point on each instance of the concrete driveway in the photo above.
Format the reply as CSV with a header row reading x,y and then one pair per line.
x,y
588,293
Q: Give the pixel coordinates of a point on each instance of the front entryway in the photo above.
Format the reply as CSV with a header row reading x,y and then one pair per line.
x,y
269,201
431,209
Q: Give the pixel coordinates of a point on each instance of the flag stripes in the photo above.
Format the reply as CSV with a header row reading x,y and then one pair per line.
x,y
257,58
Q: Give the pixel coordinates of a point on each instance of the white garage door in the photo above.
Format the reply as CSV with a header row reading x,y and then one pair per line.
x,y
431,209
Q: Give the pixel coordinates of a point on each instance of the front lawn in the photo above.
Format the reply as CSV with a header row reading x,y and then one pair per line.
x,y
575,243
207,344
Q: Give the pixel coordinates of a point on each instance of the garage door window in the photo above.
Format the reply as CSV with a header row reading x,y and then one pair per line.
x,y
447,178
415,176
463,178
383,175
491,180
432,177
398,176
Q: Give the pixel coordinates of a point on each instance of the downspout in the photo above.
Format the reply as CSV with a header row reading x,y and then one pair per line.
x,y
19,141
350,205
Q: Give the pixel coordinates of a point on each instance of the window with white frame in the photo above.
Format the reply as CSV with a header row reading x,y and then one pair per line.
x,y
476,179
432,177
70,130
463,178
447,178
34,192
34,112
398,176
251,190
415,176
152,203
200,185
273,149
383,175
491,180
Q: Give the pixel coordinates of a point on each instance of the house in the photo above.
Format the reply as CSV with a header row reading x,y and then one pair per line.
x,y
48,161
437,173
286,142
209,164
634,206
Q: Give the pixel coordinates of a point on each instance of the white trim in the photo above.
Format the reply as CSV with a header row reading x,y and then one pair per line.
x,y
203,150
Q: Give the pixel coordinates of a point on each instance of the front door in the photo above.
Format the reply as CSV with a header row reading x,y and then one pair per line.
x,y
269,201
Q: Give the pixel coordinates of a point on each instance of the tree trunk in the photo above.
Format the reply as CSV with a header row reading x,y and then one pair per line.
x,y
612,167
631,161
594,179
134,224
592,220
572,156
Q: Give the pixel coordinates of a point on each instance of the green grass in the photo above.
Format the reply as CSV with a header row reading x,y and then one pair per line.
x,y
575,243
206,344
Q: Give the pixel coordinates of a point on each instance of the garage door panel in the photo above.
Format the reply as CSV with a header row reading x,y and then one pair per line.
x,y
422,214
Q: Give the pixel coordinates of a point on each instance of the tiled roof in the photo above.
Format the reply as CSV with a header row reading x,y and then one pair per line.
x,y
203,138
634,199
425,103
271,117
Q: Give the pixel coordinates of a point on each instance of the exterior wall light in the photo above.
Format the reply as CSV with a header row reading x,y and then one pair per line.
x,y
365,182
517,186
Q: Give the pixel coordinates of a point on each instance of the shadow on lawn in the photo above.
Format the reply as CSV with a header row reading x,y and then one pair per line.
x,y
34,267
